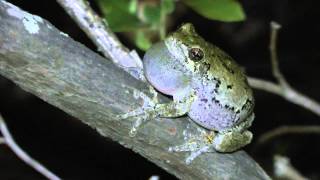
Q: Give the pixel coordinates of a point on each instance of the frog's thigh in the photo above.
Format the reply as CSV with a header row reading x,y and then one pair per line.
x,y
231,141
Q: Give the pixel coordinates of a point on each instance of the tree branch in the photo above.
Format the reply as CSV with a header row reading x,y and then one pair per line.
x,y
283,169
275,27
283,130
8,140
68,75
106,41
283,88
2,141
287,93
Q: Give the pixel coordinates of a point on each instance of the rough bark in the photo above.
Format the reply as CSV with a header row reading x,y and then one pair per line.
x,y
73,78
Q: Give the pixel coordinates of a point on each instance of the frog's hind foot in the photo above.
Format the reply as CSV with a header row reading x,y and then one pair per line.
x,y
197,153
194,147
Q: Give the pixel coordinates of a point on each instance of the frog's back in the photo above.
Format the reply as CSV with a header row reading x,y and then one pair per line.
x,y
225,98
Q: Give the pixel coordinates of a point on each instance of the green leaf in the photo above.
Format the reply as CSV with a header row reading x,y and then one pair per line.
x,y
151,14
142,41
222,10
120,14
133,5
167,6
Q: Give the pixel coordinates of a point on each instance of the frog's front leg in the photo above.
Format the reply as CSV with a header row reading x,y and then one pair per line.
x,y
178,107
172,109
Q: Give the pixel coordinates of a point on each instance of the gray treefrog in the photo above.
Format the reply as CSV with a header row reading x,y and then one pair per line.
x,y
206,84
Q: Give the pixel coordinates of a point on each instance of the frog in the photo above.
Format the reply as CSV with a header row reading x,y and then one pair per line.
x,y
206,84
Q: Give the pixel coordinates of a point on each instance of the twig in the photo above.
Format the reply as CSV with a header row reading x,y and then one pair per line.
x,y
283,130
8,140
282,88
275,27
284,170
287,93
154,177
2,141
106,41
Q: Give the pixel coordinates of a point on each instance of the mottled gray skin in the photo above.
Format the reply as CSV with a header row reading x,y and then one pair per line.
x,y
206,84
212,90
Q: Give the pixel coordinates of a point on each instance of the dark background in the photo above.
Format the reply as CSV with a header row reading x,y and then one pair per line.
x,y
75,151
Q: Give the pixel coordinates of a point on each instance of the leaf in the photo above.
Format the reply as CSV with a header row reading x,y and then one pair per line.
x,y
142,41
142,18
154,12
167,6
151,14
133,5
222,10
120,14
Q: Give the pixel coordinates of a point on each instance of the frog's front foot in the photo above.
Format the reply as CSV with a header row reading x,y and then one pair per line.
x,y
145,114
141,116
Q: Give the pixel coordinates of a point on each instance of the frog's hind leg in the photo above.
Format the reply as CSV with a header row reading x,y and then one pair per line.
x,y
232,140
235,138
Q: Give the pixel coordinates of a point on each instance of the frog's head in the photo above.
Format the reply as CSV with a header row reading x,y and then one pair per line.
x,y
167,64
187,47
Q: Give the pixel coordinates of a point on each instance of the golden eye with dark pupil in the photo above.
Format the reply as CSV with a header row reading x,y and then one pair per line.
x,y
195,54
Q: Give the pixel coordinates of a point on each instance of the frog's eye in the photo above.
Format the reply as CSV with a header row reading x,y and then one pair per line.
x,y
196,54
